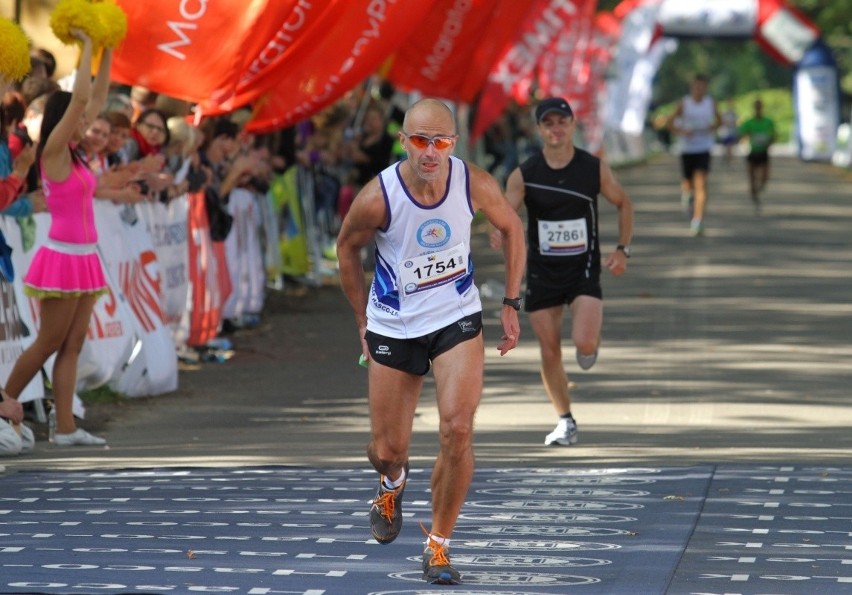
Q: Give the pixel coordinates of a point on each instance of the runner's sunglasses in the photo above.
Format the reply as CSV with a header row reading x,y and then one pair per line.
x,y
422,141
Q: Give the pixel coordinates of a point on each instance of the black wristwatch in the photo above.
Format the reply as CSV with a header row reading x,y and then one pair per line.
x,y
624,248
512,302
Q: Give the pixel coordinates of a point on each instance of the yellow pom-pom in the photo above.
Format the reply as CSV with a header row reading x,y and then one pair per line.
x,y
113,23
75,14
14,51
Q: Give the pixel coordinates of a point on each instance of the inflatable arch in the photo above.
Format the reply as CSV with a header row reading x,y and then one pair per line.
x,y
649,26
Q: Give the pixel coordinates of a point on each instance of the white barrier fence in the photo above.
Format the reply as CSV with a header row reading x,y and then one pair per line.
x,y
169,285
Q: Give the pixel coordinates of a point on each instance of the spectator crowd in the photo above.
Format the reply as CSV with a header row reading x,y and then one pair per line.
x,y
270,205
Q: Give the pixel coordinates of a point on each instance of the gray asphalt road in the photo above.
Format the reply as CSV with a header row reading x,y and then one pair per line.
x,y
732,347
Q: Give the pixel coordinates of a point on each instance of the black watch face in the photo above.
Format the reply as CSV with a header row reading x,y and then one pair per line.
x,y
516,303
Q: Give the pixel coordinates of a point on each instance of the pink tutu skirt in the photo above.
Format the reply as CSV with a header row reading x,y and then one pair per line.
x,y
65,270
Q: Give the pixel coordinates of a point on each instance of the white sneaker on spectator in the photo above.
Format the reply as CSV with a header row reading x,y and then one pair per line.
x,y
10,440
78,437
565,433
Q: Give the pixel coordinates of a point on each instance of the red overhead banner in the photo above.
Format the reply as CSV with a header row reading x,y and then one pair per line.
x,y
192,50
287,59
346,42
513,74
565,68
455,47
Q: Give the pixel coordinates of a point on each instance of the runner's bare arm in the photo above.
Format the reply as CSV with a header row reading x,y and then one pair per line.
x,y
613,192
515,196
515,188
365,216
487,197
672,121
717,118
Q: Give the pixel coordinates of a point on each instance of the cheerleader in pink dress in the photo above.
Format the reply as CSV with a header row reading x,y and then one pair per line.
x,y
68,263
66,275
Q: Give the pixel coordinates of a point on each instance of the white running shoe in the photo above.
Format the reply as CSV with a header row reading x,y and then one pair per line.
x,y
587,361
696,227
78,437
10,440
565,433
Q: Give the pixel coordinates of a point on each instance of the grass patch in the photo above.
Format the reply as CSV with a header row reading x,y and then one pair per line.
x,y
101,395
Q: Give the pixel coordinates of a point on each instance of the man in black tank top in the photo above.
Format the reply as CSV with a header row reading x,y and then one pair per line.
x,y
560,186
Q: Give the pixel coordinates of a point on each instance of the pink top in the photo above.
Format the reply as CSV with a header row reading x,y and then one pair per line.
x,y
71,206
68,265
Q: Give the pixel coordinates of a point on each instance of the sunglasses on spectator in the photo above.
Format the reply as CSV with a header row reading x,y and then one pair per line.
x,y
155,127
422,141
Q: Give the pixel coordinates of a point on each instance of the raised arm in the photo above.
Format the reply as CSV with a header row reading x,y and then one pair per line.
x,y
100,88
56,157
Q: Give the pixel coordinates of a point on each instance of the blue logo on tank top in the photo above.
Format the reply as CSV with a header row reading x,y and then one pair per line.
x,y
434,233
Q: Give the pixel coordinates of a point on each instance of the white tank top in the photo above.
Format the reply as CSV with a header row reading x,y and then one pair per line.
x,y
698,116
424,274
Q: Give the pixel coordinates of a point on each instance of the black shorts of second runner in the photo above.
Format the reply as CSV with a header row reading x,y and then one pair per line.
x,y
758,158
415,355
539,297
693,162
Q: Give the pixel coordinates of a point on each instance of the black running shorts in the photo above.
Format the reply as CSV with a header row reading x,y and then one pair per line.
x,y
415,355
692,162
758,158
539,297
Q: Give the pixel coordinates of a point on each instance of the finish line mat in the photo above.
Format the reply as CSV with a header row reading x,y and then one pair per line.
x,y
284,530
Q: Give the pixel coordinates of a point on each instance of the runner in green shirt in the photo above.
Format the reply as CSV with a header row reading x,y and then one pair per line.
x,y
760,131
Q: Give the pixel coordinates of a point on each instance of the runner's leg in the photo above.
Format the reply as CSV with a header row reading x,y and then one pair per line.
x,y
393,396
547,326
699,183
458,382
586,322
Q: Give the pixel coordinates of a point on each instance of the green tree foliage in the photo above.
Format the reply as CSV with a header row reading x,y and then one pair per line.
x,y
734,67
834,19
741,67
